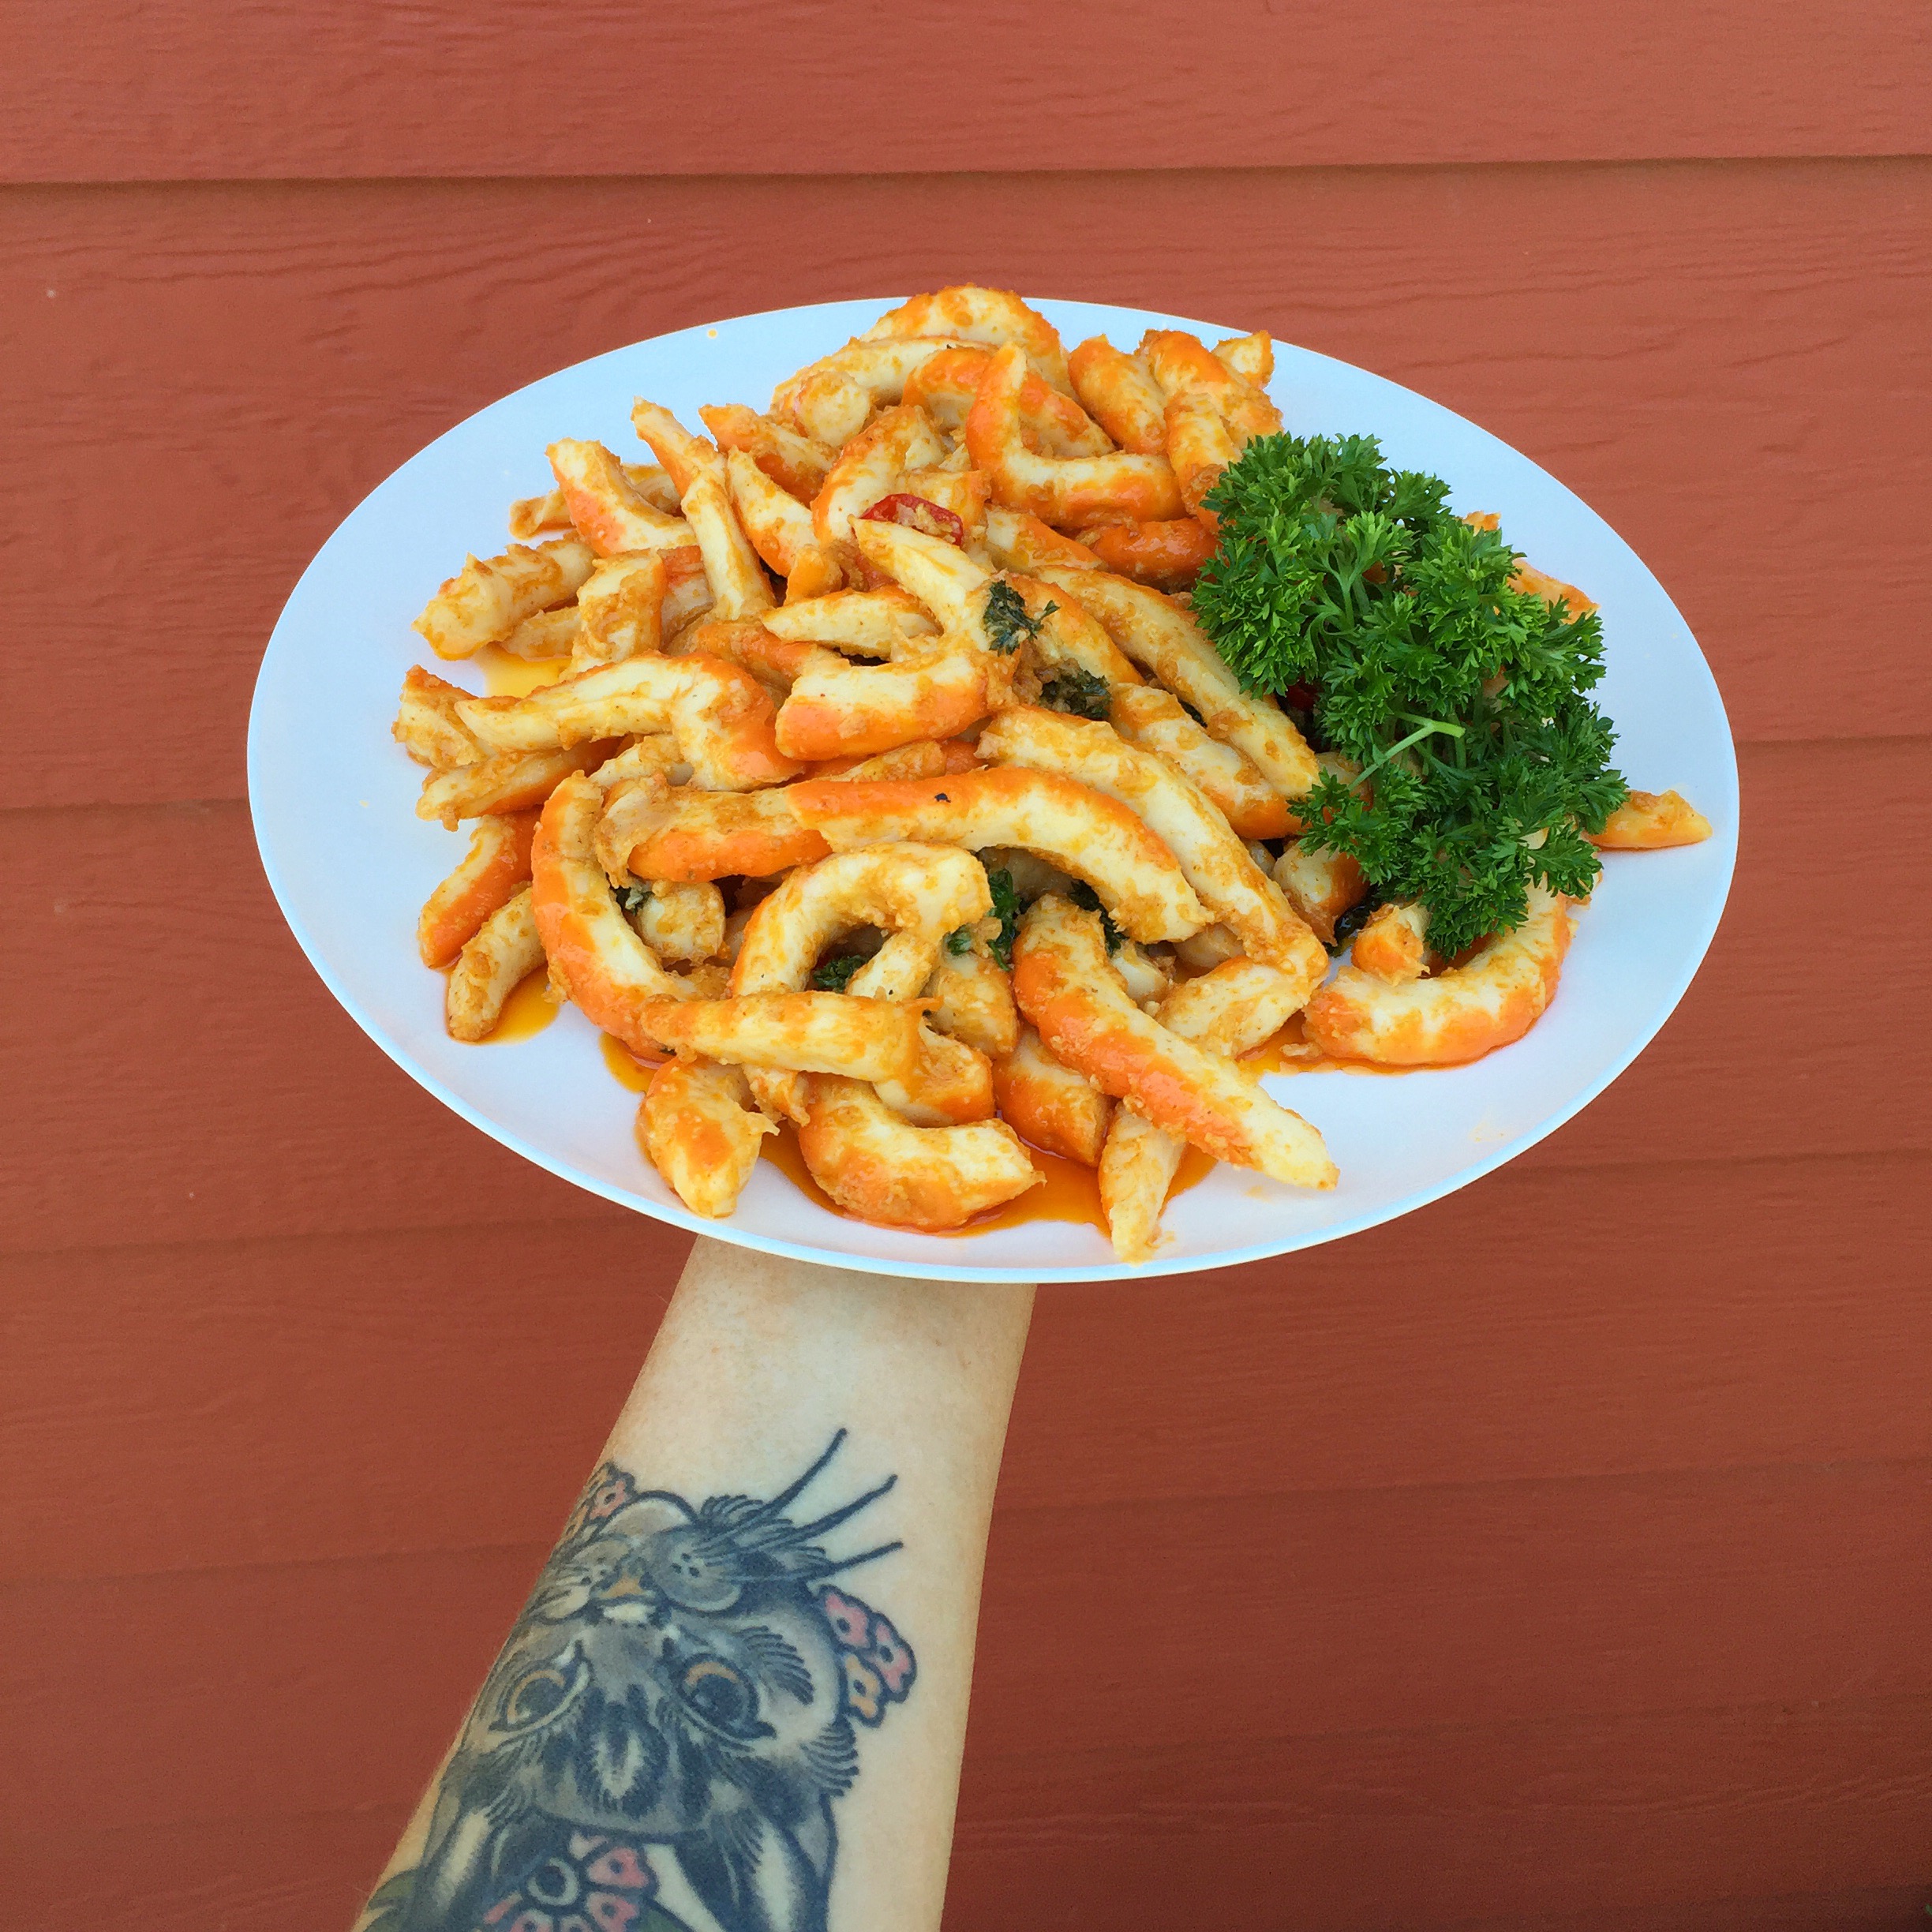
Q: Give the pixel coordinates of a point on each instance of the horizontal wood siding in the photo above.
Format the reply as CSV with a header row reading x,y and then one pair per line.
x,y
280,89
1556,1559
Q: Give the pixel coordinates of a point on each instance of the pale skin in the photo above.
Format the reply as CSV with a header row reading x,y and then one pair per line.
x,y
759,1362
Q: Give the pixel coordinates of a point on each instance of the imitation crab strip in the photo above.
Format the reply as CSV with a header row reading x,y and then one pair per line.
x,y
1199,447
773,660
427,726
1251,358
779,526
683,919
612,515
970,996
1168,555
503,951
877,1166
853,710
796,463
1650,822
701,1133
597,961
1017,541
946,385
989,316
873,465
867,1039
506,781
1183,366
1215,863
1163,639
874,623
916,894
1320,884
1087,834
1049,1104
721,717
1116,391
1066,638
830,399
486,599
1392,946
493,872
1071,492
651,830
1230,1011
939,575
1152,717
620,608
738,581
550,634
1064,985
1492,998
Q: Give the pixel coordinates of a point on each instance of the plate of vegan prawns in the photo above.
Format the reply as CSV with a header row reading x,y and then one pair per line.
x,y
988,788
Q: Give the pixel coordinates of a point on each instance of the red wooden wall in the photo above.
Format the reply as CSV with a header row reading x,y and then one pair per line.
x,y
1559,1557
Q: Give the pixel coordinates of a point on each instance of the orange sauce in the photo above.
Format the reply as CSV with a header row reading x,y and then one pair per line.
x,y
781,1149
1069,1193
528,1010
630,1069
506,676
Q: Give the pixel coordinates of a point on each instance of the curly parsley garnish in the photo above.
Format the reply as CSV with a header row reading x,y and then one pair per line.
x,y
1006,910
1461,698
1080,693
834,976
1007,624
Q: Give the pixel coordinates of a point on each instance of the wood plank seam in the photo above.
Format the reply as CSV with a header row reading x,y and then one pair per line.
x,y
598,1209
1009,1511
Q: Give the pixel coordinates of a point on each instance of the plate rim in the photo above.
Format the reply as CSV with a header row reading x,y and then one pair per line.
x,y
675,1214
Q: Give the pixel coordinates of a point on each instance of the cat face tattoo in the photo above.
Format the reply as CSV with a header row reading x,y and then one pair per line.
x,y
681,1678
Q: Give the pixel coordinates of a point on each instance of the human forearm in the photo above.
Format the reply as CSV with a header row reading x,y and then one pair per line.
x,y
688,1683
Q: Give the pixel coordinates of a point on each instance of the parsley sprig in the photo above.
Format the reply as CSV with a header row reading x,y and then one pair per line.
x,y
834,976
1078,691
1461,698
1008,625
1006,909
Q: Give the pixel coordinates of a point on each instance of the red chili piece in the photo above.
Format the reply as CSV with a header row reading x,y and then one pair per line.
x,y
919,514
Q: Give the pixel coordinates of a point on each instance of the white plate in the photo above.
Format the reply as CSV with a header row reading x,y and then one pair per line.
x,y
333,801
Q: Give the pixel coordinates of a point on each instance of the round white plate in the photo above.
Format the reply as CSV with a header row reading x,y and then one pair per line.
x,y
333,799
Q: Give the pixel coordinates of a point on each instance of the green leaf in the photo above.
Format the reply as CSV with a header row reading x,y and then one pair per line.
x,y
1007,624
1006,910
1080,692
1460,699
834,975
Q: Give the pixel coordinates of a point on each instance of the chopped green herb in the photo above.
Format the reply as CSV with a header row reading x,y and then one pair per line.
x,y
1081,693
1006,910
1088,901
1461,698
630,897
834,975
958,940
1008,625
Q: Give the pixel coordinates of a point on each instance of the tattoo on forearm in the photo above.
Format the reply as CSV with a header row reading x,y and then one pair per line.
x,y
659,1745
